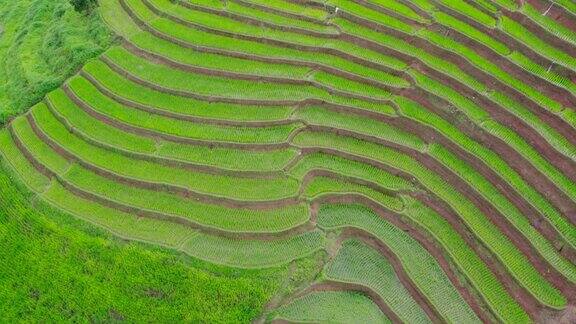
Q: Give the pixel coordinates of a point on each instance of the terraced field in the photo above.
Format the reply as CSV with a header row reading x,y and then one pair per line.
x,y
427,147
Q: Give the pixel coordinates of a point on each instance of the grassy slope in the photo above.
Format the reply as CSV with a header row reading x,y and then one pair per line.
x,y
42,42
57,268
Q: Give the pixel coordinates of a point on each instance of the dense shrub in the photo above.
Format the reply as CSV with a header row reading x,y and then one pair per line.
x,y
42,44
83,5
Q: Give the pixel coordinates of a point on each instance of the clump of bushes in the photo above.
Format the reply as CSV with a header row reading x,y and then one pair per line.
x,y
43,43
84,5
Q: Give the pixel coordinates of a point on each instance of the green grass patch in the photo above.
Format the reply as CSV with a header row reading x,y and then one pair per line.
x,y
94,276
41,44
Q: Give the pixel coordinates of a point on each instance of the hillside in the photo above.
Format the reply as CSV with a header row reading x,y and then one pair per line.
x,y
42,43
406,161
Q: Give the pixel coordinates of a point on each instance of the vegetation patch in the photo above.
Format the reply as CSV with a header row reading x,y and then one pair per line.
x,y
42,43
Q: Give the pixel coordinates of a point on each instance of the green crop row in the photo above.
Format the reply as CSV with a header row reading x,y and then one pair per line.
x,y
515,57
482,90
217,185
321,186
559,142
222,87
232,159
510,212
213,216
486,65
194,36
471,32
78,120
419,265
177,127
550,24
359,264
470,11
132,91
445,67
158,46
238,253
345,65
520,145
488,5
359,10
115,139
93,272
323,161
499,166
511,5
353,87
502,132
424,5
18,162
207,215
499,300
209,85
121,224
542,72
448,68
24,132
361,125
222,23
538,45
568,5
401,9
173,51
331,307
266,16
252,253
293,8
487,285
487,232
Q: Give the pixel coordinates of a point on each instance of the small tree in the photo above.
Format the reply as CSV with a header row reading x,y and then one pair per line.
x,y
83,5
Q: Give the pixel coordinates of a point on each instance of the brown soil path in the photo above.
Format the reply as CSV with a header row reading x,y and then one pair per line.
x,y
555,12
540,32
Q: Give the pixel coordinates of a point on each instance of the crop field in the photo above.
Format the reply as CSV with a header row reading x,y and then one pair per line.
x,y
379,161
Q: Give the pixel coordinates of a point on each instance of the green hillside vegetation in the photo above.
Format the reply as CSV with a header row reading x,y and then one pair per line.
x,y
41,44
263,160
55,268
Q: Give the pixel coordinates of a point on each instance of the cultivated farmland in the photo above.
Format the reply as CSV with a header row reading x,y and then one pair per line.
x,y
421,153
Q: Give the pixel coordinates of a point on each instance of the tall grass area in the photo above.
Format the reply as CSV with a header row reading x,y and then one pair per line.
x,y
42,42
55,268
